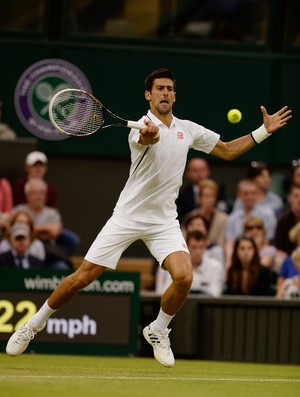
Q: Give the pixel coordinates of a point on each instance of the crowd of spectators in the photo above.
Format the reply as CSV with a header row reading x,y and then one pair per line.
x,y
256,237
247,247
30,222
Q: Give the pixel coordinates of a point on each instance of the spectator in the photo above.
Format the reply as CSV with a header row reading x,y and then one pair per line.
x,y
215,218
290,288
247,193
36,248
197,222
193,221
293,177
36,166
20,238
197,169
246,275
254,228
47,223
208,273
286,221
261,174
288,269
6,199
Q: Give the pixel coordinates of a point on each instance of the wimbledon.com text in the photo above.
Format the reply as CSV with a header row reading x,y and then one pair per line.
x,y
107,286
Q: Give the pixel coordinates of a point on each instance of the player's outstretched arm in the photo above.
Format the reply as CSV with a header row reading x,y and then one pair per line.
x,y
235,148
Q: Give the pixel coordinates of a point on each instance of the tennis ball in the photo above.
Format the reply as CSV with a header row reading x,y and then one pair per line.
x,y
234,116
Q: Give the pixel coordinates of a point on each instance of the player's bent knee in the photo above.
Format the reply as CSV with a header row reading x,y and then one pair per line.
x,y
183,280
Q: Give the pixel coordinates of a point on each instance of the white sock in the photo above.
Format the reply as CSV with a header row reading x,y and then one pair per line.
x,y
38,320
162,321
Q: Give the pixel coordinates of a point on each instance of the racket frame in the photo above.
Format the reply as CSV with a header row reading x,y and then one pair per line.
x,y
122,121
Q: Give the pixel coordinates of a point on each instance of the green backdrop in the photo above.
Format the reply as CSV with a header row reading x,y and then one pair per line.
x,y
209,83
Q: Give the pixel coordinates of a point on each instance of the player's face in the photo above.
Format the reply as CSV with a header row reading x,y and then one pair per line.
x,y
162,96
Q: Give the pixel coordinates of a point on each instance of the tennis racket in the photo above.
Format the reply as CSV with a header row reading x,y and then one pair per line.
x,y
77,113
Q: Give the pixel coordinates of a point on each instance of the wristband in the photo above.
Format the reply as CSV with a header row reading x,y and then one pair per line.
x,y
260,134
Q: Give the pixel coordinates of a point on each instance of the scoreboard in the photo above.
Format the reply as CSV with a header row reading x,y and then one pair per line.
x,y
102,319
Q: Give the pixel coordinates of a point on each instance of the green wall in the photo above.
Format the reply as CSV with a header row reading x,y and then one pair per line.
x,y
209,83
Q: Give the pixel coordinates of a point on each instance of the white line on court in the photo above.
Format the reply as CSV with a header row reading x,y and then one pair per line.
x,y
199,379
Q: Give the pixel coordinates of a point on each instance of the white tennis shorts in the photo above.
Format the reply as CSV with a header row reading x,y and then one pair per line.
x,y
119,233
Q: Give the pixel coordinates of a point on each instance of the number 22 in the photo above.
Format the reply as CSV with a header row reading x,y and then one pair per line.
x,y
8,313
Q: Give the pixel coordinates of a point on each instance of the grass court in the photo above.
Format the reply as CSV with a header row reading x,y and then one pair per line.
x,y
31,375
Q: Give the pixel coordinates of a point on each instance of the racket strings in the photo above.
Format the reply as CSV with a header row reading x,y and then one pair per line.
x,y
77,113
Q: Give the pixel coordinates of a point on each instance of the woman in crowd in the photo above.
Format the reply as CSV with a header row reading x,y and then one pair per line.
x,y
254,227
247,276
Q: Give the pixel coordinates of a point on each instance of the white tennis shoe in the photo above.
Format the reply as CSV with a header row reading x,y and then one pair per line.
x,y
20,339
161,345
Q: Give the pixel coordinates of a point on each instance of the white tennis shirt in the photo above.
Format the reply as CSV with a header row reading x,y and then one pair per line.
x,y
156,174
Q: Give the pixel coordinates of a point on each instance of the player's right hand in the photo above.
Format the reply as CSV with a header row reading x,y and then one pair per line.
x,y
150,134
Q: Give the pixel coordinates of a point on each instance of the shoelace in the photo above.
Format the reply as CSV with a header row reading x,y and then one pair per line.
x,y
162,339
165,341
25,334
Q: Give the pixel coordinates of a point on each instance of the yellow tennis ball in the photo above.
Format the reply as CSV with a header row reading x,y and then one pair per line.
x,y
234,116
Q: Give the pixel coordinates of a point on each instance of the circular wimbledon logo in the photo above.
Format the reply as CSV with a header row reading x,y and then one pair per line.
x,y
36,87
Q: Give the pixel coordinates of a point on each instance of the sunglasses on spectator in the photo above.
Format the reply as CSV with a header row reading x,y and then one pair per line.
x,y
258,227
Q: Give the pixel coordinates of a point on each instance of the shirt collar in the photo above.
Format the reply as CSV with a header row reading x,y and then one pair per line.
x,y
156,121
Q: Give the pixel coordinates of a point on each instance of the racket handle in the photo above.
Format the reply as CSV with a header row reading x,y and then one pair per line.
x,y
134,124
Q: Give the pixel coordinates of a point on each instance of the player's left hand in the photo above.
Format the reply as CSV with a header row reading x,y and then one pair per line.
x,y
273,122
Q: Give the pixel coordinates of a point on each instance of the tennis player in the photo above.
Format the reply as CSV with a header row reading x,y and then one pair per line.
x,y
146,210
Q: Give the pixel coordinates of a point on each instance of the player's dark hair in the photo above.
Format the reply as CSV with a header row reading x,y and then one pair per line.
x,y
158,74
